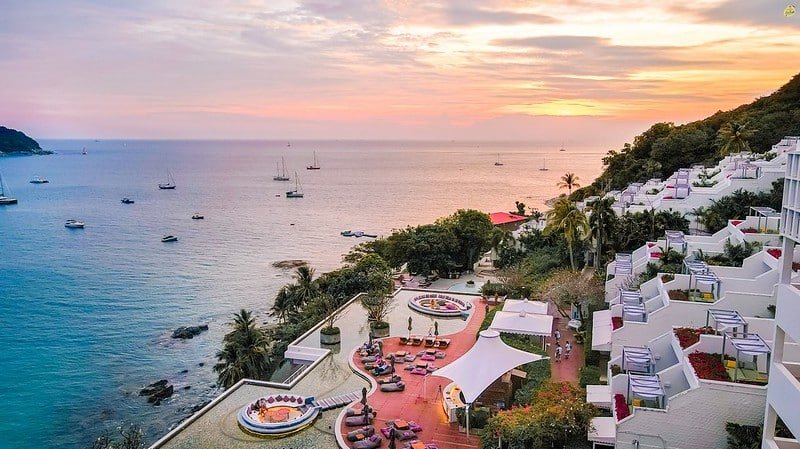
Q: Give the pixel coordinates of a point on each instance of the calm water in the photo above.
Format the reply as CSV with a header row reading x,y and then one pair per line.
x,y
85,315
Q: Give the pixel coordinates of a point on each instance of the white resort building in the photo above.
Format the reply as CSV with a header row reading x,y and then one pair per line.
x,y
693,351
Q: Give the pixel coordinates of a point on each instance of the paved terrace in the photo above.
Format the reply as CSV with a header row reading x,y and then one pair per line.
x,y
422,403
217,427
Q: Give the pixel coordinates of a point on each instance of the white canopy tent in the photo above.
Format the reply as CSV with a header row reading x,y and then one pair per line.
x,y
484,363
523,323
525,305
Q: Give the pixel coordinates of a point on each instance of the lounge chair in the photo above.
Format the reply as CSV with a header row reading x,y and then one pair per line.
x,y
402,435
405,425
358,421
419,371
361,434
394,386
429,342
439,354
403,340
428,357
443,343
383,369
358,412
410,357
371,442
390,380
369,359
416,341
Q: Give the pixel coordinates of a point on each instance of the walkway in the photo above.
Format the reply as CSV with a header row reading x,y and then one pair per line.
x,y
567,370
420,402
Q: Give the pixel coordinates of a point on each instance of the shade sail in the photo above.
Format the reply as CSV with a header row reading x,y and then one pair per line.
x,y
725,318
522,323
647,387
601,330
750,344
484,363
526,306
636,358
630,297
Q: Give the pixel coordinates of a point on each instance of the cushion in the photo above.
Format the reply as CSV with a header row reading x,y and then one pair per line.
x,y
730,364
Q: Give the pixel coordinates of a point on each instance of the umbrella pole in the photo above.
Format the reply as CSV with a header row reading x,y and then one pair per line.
x,y
467,420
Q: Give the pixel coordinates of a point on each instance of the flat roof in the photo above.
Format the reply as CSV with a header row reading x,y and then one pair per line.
x,y
601,331
499,218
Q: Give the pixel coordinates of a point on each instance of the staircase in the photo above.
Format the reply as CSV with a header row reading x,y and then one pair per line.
x,y
337,401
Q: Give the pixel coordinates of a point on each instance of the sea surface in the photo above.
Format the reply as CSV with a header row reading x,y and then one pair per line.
x,y
86,315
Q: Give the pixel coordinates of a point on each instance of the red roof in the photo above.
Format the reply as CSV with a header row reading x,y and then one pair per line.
x,y
499,218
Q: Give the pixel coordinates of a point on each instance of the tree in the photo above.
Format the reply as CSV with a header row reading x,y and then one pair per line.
x,y
472,229
569,181
567,288
245,353
498,237
567,219
602,220
735,136
305,288
283,304
131,438
520,208
558,417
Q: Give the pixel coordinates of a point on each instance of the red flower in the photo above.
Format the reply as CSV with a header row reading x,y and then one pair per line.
x,y
709,366
621,407
736,222
775,252
688,336
616,322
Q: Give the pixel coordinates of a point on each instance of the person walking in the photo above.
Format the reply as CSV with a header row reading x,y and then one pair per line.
x,y
567,349
557,335
558,353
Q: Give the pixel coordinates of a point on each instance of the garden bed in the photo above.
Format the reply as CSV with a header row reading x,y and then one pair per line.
x,y
709,366
687,336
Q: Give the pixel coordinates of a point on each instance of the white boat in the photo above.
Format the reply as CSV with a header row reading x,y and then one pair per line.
x,y
197,216
127,200
39,180
298,189
544,165
74,224
170,184
281,171
84,151
497,162
315,165
5,200
169,238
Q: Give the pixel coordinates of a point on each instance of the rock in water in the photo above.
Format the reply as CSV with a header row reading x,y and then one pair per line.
x,y
157,391
185,332
286,264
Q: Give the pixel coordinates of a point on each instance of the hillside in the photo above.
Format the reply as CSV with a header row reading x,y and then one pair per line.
x,y
16,142
665,147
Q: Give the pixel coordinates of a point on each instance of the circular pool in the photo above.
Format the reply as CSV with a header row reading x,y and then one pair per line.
x,y
438,304
278,415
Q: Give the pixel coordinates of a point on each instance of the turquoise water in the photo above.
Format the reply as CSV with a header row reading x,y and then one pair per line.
x,y
85,315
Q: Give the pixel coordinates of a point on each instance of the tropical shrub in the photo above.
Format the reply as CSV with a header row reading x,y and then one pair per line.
x,y
589,375
709,366
688,336
616,322
743,436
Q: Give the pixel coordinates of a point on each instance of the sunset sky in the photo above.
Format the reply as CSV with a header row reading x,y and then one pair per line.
x,y
582,71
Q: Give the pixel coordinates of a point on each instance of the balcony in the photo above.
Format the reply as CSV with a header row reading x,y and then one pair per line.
x,y
788,309
784,394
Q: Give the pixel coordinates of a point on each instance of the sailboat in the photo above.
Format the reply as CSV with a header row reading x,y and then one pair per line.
x,y
84,151
3,190
170,184
544,165
315,165
298,189
281,171
497,162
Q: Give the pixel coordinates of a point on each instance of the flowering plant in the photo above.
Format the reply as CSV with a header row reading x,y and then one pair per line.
x,y
621,407
709,366
616,322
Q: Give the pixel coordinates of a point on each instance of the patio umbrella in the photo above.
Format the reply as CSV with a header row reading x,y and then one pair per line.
x,y
392,437
369,342
367,410
409,327
435,330
364,396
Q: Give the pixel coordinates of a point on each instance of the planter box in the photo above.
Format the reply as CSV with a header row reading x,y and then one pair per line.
x,y
380,332
330,339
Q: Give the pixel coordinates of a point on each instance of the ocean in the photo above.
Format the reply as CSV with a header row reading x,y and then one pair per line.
x,y
86,314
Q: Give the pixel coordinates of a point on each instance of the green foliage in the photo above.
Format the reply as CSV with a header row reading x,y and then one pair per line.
x,y
665,147
742,436
737,205
478,417
734,255
13,141
246,352
558,416
589,375
633,230
566,219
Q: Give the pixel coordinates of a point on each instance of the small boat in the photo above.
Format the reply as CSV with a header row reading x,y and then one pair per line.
x,y
347,233
170,184
74,224
84,151
357,234
315,165
281,171
562,148
298,189
544,165
127,200
169,238
39,180
498,163
197,216
5,200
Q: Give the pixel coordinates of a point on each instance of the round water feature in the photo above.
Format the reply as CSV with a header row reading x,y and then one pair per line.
x,y
278,415
439,304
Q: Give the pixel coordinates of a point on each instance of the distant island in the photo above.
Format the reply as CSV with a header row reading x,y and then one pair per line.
x,y
13,142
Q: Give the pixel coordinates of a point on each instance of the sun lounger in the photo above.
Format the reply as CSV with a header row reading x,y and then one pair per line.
x,y
361,434
431,368
358,421
429,342
416,341
428,358
395,386
443,343
410,357
403,340
439,354
389,380
383,369
369,359
401,424
419,371
371,442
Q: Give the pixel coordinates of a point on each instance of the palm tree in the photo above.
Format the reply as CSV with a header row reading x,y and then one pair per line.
x,y
498,237
283,304
245,353
569,181
734,137
565,217
601,220
305,289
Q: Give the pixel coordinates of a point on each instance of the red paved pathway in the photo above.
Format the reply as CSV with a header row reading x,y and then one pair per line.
x,y
567,369
423,404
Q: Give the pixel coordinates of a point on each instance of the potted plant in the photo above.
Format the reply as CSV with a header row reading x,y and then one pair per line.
x,y
330,334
